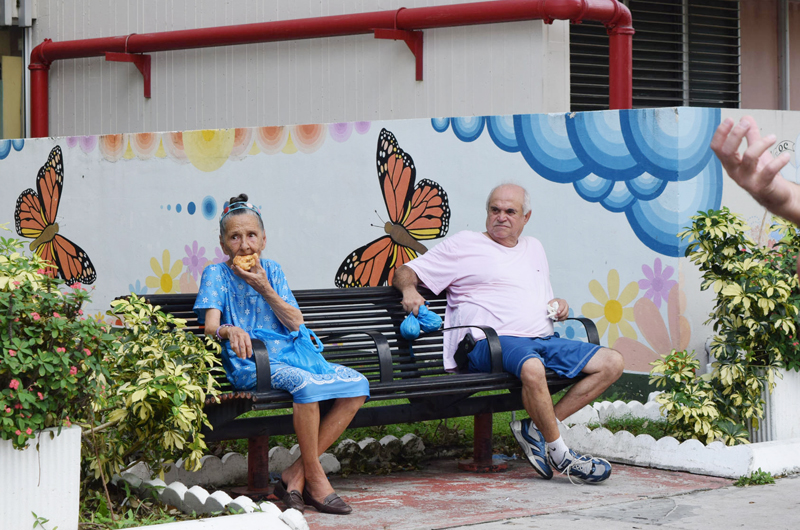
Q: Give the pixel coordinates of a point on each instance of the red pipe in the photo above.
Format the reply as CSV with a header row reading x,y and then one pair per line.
x,y
614,15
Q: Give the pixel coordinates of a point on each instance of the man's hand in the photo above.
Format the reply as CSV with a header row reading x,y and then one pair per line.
x,y
563,308
412,301
406,281
756,170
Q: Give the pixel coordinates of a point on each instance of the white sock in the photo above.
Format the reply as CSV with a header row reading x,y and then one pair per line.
x,y
558,450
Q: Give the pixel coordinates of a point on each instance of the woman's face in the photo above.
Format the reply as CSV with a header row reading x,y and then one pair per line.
x,y
243,236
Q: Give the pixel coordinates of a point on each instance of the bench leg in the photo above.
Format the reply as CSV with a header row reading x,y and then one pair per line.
x,y
482,448
257,469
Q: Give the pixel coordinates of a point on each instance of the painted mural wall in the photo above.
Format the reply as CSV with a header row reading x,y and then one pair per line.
x,y
346,203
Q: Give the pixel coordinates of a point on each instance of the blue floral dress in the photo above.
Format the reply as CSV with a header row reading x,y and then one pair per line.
x,y
243,307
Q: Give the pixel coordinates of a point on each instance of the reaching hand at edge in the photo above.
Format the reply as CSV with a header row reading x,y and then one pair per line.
x,y
756,170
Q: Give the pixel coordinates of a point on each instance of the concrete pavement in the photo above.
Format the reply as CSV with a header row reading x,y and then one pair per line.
x,y
775,506
441,497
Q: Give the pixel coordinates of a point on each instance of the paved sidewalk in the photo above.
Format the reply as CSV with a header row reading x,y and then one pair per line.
x,y
440,496
775,506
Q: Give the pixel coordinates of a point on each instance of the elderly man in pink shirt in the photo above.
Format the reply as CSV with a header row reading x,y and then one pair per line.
x,y
501,279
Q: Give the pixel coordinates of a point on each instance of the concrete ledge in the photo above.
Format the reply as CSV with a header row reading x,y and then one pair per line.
x,y
716,459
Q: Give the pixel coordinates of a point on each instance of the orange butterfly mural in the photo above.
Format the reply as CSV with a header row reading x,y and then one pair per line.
x,y
415,213
35,218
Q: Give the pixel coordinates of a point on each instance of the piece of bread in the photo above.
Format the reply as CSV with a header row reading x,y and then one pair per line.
x,y
245,262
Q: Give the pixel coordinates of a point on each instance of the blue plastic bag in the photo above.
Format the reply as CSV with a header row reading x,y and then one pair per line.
x,y
425,322
301,352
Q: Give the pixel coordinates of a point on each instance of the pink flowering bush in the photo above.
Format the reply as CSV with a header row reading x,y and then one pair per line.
x,y
51,359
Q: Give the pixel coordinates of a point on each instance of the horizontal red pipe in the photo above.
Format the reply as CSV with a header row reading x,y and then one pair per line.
x,y
612,14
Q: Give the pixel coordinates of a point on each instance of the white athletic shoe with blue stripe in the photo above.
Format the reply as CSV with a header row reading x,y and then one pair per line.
x,y
584,468
532,443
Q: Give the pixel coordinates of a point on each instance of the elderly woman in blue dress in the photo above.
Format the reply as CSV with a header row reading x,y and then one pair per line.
x,y
239,306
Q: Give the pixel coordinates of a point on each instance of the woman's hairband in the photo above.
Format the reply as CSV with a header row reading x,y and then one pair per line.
x,y
238,206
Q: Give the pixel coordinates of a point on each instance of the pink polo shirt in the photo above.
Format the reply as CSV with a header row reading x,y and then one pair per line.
x,y
488,284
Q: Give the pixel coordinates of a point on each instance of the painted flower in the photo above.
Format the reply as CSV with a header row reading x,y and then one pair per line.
x,y
221,257
195,259
662,335
165,276
73,370
187,283
28,431
611,310
14,384
35,316
137,288
18,432
61,350
87,352
571,329
657,282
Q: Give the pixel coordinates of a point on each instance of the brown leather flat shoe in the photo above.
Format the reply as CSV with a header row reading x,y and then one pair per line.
x,y
332,504
292,499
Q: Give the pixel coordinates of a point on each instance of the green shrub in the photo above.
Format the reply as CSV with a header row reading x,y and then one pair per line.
x,y
756,304
162,375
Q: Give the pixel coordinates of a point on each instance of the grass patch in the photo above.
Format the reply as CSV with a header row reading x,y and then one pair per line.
x,y
636,426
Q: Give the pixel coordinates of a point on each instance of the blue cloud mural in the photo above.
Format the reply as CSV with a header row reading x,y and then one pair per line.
x,y
653,165
6,145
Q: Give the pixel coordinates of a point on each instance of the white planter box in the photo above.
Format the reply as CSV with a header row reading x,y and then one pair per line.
x,y
46,481
781,419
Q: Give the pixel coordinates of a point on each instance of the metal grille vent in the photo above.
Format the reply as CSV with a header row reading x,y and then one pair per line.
x,y
685,52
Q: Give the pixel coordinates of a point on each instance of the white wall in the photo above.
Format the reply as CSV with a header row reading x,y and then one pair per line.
x,y
520,67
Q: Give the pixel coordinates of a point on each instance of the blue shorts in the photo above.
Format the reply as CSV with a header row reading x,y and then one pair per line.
x,y
565,357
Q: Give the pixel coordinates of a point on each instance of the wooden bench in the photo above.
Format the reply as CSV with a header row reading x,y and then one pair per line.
x,y
360,329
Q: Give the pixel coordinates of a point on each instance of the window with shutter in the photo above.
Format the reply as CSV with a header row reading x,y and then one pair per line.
x,y
685,52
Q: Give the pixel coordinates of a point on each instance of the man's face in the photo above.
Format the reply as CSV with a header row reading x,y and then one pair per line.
x,y
504,219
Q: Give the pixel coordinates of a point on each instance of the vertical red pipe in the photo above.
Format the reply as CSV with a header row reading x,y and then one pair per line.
x,y
39,100
620,68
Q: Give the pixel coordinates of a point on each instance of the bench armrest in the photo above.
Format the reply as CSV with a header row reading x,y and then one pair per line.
x,y
591,330
493,341
263,372
381,346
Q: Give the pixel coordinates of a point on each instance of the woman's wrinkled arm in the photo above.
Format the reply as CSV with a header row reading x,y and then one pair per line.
x,y
239,339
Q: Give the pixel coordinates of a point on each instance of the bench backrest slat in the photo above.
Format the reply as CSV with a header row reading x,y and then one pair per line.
x,y
326,311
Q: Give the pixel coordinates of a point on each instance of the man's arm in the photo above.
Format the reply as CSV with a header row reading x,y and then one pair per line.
x,y
756,170
406,281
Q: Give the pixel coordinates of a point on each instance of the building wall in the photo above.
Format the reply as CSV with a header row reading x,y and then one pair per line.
x,y
759,23
479,70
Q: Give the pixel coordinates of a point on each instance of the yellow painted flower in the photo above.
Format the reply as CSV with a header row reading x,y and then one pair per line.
x,y
613,314
164,279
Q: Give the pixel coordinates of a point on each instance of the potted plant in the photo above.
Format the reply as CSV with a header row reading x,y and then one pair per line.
x,y
754,317
52,367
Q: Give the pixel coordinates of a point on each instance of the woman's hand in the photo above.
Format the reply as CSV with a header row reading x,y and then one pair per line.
x,y
240,341
256,277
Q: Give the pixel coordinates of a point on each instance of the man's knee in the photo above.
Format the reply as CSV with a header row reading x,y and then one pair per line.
x,y
532,372
612,363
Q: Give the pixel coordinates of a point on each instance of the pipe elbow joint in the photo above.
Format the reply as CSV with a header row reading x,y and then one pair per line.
x,y
621,23
38,58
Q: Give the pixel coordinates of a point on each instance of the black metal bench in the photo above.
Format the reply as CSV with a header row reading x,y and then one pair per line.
x,y
360,329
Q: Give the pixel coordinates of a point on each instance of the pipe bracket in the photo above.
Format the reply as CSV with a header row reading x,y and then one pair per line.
x,y
413,40
141,61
